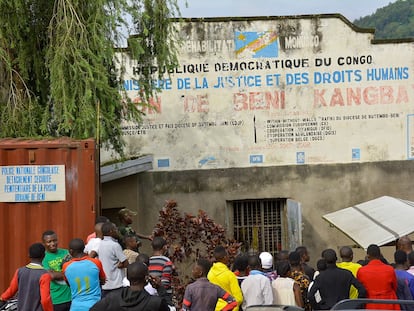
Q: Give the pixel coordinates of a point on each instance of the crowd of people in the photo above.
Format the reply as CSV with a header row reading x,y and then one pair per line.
x,y
109,273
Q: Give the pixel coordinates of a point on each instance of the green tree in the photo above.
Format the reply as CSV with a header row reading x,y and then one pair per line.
x,y
394,21
58,72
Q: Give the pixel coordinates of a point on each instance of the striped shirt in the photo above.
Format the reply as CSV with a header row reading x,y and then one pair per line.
x,y
162,267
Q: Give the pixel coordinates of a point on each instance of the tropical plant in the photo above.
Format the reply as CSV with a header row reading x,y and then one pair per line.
x,y
190,237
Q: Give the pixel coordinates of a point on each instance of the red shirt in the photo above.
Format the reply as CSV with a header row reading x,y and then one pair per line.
x,y
90,236
380,281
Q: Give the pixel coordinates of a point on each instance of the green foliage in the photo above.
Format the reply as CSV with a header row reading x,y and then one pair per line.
x,y
395,21
57,64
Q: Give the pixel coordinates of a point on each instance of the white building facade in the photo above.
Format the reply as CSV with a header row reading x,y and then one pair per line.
x,y
270,121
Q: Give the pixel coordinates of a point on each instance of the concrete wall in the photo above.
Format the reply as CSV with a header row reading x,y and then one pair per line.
x,y
268,91
118,194
320,189
309,108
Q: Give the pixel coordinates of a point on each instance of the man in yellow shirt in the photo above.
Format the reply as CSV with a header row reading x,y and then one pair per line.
x,y
222,276
347,255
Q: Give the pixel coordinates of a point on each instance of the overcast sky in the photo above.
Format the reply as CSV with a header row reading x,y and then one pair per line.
x,y
351,9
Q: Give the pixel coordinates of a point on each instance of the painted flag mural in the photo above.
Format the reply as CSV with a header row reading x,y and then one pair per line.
x,y
256,44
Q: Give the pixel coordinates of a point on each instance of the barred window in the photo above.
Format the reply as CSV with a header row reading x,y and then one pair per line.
x,y
267,224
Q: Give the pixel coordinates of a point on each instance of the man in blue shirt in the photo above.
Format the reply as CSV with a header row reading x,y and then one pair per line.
x,y
400,258
85,276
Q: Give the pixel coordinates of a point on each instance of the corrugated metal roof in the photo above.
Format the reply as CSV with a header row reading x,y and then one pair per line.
x,y
379,221
127,168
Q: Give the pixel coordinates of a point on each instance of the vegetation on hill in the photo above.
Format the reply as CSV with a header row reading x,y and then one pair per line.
x,y
394,21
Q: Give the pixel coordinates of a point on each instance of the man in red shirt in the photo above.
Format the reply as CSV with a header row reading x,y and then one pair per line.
x,y
379,279
31,283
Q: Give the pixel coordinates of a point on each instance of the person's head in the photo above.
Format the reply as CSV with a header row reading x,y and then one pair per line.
x,y
220,254
201,268
98,229
404,243
303,252
411,258
159,245
50,241
76,247
137,273
346,253
282,255
330,256
294,259
37,252
267,260
101,218
373,252
109,229
283,269
131,242
400,257
143,258
241,263
254,262
125,216
321,264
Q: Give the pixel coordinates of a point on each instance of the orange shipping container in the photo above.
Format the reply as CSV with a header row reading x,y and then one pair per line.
x,y
44,185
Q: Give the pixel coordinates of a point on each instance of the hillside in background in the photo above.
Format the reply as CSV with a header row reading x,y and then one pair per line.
x,y
394,21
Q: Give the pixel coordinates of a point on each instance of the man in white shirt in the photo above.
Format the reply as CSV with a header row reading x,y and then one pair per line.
x,y
256,288
113,259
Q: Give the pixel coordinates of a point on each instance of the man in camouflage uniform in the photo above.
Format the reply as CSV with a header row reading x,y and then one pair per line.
x,y
125,229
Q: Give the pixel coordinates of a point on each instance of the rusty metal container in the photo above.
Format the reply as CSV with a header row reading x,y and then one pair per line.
x,y
40,167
